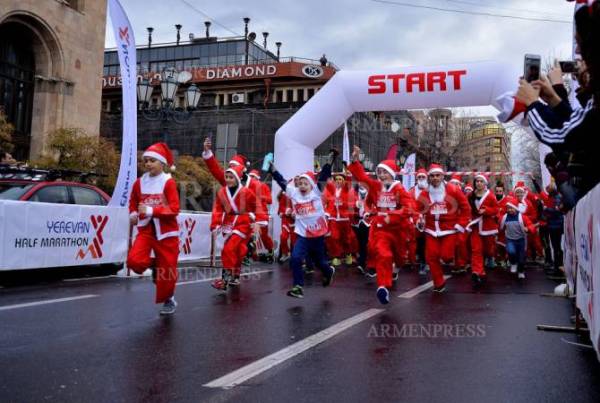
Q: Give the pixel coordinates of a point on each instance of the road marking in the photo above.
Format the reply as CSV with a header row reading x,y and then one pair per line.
x,y
205,280
257,367
49,301
72,280
419,289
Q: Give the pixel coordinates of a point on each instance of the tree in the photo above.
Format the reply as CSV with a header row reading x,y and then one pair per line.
x,y
526,152
6,131
73,149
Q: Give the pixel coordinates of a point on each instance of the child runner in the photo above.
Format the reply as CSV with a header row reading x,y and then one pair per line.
x,y
154,206
516,225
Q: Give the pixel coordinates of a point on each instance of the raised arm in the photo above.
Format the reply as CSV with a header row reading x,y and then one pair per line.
x,y
212,164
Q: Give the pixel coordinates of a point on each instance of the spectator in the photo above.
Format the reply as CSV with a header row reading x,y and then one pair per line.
x,y
323,60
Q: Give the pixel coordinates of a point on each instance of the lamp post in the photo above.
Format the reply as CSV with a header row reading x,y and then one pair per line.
x,y
246,21
278,44
207,24
167,109
149,29
178,28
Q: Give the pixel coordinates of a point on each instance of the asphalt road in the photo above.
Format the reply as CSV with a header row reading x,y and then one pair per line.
x,y
255,344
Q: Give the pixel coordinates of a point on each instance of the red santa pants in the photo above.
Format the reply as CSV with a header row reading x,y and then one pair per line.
x,y
481,246
462,249
401,248
233,253
412,245
166,252
383,245
534,244
437,248
339,243
265,237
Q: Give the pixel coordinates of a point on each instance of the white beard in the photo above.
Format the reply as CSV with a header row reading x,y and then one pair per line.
x,y
422,184
437,194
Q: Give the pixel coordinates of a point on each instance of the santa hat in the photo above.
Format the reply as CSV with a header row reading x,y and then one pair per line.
x,y
519,185
456,178
160,152
421,172
340,174
310,176
390,166
509,106
237,171
468,187
254,173
435,169
483,177
512,202
238,160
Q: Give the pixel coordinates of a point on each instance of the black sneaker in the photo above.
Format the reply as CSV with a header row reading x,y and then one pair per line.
x,y
440,289
371,273
309,270
328,277
246,261
458,270
383,295
395,276
361,269
296,292
235,281
476,280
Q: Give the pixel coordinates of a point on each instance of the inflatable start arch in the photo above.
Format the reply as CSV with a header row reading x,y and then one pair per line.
x,y
473,84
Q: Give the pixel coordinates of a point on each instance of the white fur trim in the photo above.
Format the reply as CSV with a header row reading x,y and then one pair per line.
x,y
435,170
155,155
310,180
207,155
232,171
480,176
459,228
388,169
149,211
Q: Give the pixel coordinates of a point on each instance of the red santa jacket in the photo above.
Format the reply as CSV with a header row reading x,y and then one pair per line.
x,y
339,203
528,208
487,222
160,194
256,186
391,202
285,212
449,214
233,213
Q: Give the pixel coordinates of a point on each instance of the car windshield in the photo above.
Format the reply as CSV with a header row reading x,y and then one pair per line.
x,y
14,191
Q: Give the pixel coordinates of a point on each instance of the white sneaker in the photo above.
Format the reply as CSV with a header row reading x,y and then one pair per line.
x,y
513,268
168,307
521,275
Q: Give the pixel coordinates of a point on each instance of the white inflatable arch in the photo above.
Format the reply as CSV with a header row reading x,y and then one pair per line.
x,y
392,89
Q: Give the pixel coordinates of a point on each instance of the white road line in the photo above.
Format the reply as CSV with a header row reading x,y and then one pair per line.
x,y
205,280
48,301
73,280
257,367
419,289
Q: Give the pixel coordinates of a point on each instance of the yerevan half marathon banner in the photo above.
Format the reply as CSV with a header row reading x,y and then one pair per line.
x,y
40,235
125,41
587,239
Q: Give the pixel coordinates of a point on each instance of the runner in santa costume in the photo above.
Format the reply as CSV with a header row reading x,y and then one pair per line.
x,y
393,206
446,212
288,236
234,212
339,200
311,225
527,206
361,225
416,245
515,226
502,199
154,206
263,218
461,253
257,188
468,188
483,227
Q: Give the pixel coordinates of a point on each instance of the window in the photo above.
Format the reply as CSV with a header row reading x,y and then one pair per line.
x,y
52,194
497,149
497,141
227,140
88,197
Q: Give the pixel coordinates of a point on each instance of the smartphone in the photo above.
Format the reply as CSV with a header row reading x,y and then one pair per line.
x,y
533,64
568,66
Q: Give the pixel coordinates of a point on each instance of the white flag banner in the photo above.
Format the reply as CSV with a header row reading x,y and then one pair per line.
x,y
125,41
346,145
408,181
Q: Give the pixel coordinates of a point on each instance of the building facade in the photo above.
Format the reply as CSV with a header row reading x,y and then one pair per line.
x,y
50,68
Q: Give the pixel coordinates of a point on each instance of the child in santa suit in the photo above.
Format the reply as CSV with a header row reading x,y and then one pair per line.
x,y
446,212
417,244
311,226
252,183
262,216
393,207
338,201
483,227
154,206
232,216
515,226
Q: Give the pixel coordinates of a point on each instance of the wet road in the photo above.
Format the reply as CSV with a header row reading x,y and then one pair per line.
x,y
102,340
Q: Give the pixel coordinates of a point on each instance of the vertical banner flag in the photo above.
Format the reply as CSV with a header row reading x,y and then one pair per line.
x,y
546,177
125,41
408,181
346,145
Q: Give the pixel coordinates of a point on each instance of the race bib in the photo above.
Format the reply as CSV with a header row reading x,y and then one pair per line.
x,y
305,209
439,209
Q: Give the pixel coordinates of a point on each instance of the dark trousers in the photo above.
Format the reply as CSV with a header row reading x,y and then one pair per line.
x,y
305,248
516,252
555,240
362,235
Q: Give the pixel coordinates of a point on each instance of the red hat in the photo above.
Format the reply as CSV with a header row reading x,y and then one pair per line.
x,y
421,171
468,187
310,176
238,160
435,168
519,185
390,166
254,173
485,178
237,171
160,152
512,202
456,178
